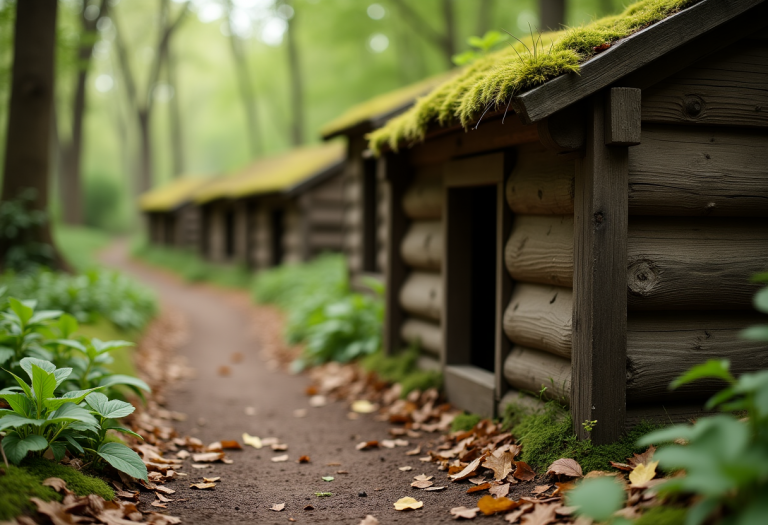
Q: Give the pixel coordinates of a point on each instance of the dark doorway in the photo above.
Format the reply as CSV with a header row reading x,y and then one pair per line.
x,y
170,230
229,234
278,229
370,215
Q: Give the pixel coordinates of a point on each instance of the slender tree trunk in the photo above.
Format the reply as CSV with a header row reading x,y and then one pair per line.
x,y
449,43
145,152
28,139
551,14
484,17
297,84
174,107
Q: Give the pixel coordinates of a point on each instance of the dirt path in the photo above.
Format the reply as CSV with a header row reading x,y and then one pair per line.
x,y
216,410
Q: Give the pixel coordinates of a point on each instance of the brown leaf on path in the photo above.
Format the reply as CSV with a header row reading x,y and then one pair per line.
x,y
523,471
422,484
279,459
415,452
202,486
541,489
405,468
57,484
211,480
124,494
162,498
408,503
541,515
317,401
269,441
642,459
464,513
366,445
159,504
565,467
516,514
642,474
499,491
55,511
279,447
182,454
224,371
201,465
369,520
207,456
161,519
342,472
231,444
468,471
311,390
432,489
489,505
478,480
621,466
479,488
423,477
501,466
303,459
277,507
562,488
387,443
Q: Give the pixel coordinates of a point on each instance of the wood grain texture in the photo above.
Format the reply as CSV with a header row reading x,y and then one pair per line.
x,y
628,55
470,388
529,370
704,171
661,346
325,216
424,199
622,117
541,183
326,239
694,264
540,249
428,335
599,283
422,295
729,88
563,131
422,246
540,317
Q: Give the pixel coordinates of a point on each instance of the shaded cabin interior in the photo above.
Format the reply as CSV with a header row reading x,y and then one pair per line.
x,y
600,243
172,219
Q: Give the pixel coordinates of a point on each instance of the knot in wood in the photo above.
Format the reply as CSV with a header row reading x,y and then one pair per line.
x,y
693,105
599,218
642,277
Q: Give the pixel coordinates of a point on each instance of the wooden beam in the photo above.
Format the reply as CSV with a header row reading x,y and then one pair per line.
x,y
600,283
628,55
622,117
504,283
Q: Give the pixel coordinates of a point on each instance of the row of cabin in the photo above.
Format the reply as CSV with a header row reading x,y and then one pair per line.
x,y
588,244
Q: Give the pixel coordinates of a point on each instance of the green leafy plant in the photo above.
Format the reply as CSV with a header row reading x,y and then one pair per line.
x,y
481,46
19,249
77,421
588,425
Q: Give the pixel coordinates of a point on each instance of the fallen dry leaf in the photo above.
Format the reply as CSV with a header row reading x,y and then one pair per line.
x,y
523,471
253,441
202,486
478,480
515,515
642,459
269,441
224,370
432,489
423,477
211,480
422,484
387,443
231,444
279,447
408,503
541,515
415,452
501,466
317,401
201,465
277,507
369,520
207,457
363,406
405,468
489,505
541,489
464,513
365,445
479,488
159,504
280,459
565,467
303,459
57,484
183,454
468,471
499,491
162,498
643,474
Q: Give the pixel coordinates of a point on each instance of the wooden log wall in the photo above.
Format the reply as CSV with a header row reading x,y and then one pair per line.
x,y
188,227
261,241
421,295
324,213
293,250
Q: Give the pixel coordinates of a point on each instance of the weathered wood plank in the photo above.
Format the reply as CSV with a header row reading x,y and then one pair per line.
x,y
422,294
599,283
694,264
326,239
541,183
628,55
470,388
530,370
622,117
540,249
729,88
423,245
540,317
679,170
424,199
429,336
325,216
661,346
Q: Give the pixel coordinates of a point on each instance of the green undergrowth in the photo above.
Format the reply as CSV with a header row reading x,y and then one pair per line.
x,y
548,435
18,484
662,516
493,80
191,267
402,368
465,422
80,245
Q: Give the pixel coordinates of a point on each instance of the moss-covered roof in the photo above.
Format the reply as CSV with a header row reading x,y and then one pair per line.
x,y
172,195
275,174
492,81
383,105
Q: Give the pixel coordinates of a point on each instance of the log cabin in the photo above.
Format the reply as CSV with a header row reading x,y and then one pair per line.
x,y
365,201
595,211
172,219
281,209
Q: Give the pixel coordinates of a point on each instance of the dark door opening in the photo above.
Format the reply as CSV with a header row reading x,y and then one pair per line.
x,y
483,276
370,213
170,230
229,234
278,228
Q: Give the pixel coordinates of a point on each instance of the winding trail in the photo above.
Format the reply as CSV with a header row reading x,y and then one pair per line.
x,y
219,325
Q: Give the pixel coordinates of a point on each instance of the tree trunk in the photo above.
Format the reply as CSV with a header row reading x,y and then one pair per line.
x,y
297,84
484,17
145,152
174,107
449,44
27,151
551,15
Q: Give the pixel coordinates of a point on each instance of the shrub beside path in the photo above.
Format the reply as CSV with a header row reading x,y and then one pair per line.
x,y
261,401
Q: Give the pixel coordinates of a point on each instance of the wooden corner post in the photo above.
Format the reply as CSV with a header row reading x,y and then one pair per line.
x,y
397,176
598,385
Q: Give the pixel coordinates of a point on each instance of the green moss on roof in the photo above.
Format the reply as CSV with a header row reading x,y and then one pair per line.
x,y
171,195
276,173
493,80
383,104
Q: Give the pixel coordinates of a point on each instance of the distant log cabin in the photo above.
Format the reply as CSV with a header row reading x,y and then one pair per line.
x,y
172,219
593,237
281,209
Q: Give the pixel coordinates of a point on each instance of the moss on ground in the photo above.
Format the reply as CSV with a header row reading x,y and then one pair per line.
x,y
18,484
465,422
662,516
402,368
548,435
493,80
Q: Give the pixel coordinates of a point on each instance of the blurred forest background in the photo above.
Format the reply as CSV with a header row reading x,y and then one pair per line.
x,y
158,88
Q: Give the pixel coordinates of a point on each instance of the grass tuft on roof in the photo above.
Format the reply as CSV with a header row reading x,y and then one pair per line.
x,y
171,195
493,80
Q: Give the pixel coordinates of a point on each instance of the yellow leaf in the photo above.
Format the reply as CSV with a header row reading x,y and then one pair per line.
x,y
363,406
643,473
408,503
253,441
